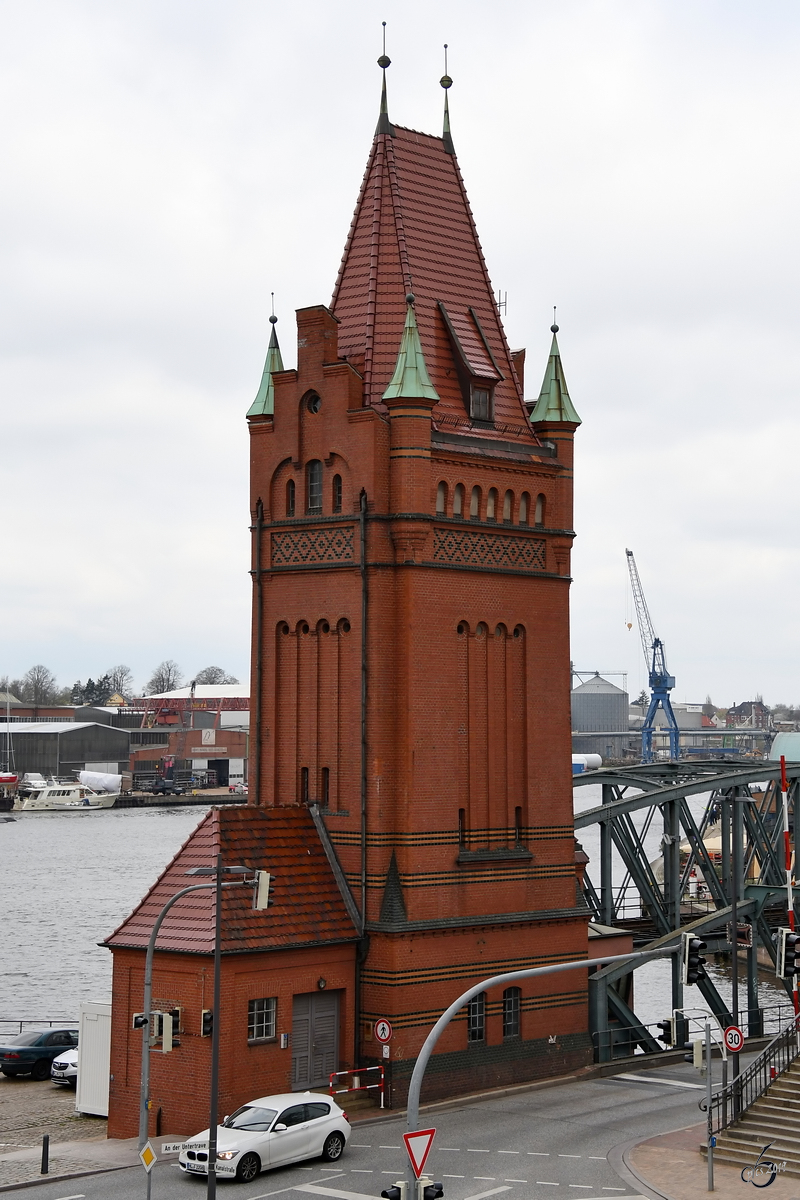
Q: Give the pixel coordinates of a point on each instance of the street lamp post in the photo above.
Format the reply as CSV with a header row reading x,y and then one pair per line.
x,y
144,1096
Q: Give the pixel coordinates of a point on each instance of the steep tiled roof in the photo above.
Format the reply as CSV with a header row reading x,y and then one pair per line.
x,y
308,905
413,232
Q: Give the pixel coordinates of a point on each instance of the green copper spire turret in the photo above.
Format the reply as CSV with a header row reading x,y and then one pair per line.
x,y
411,380
554,403
264,403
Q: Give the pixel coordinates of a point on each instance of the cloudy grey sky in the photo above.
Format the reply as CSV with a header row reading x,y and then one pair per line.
x,y
168,164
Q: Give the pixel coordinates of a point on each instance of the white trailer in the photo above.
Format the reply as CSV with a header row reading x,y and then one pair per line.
x,y
94,1059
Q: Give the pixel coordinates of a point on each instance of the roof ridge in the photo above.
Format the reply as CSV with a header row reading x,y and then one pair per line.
x,y
354,222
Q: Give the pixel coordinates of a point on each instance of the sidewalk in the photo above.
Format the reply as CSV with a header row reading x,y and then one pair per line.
x,y
672,1166
67,1159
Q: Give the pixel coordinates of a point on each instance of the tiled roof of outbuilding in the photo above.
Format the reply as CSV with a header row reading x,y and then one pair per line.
x,y
413,231
308,906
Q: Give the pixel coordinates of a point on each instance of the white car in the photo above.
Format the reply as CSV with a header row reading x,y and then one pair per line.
x,y
65,1068
271,1132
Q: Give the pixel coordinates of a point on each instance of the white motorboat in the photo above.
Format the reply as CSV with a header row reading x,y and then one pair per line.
x,y
55,796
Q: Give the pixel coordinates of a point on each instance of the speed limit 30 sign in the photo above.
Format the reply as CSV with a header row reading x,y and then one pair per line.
x,y
734,1039
383,1031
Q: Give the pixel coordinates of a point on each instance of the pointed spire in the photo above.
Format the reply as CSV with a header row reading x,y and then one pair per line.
x,y
446,83
384,124
264,403
411,380
554,404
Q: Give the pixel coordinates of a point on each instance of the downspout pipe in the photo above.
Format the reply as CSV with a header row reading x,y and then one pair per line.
x,y
256,747
361,950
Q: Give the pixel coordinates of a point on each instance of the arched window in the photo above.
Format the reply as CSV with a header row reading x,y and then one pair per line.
x,y
304,785
441,499
337,493
538,518
475,503
508,505
511,1006
314,486
524,504
458,500
491,505
476,1018
290,498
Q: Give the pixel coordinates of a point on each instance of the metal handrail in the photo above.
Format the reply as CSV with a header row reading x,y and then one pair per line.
x,y
732,1100
355,1075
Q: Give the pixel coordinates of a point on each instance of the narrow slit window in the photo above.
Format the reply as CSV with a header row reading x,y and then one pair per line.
x,y
326,787
524,502
441,499
462,827
290,498
304,785
518,825
475,503
337,493
314,487
539,514
491,505
508,504
511,1007
458,500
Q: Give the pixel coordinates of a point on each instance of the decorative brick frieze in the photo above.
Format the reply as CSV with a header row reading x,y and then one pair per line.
x,y
494,550
304,546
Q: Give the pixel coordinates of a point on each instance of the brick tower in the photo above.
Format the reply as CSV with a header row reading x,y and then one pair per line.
x,y
412,527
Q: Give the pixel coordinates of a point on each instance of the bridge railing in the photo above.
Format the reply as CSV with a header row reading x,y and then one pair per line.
x,y
622,1041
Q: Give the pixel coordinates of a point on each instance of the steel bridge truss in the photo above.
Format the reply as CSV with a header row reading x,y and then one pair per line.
x,y
741,801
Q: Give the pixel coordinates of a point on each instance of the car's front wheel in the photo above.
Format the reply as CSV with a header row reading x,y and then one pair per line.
x,y
41,1069
248,1168
333,1149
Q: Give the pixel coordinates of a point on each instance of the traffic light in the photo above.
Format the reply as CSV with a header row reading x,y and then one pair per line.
x,y
139,1020
166,1032
786,965
667,1035
430,1191
398,1192
156,1027
206,1023
262,895
692,961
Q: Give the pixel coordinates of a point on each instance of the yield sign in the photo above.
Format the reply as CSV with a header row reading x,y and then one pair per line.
x,y
418,1145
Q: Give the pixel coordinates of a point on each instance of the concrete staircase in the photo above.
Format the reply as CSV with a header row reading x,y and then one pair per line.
x,y
773,1118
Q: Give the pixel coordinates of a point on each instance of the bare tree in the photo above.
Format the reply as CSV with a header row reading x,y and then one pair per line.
x,y
214,675
120,680
39,685
165,678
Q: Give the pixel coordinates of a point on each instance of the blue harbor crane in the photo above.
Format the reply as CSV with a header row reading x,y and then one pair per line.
x,y
661,682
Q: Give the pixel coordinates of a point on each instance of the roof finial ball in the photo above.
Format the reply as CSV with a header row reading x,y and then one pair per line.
x,y
273,319
384,61
410,298
554,327
445,81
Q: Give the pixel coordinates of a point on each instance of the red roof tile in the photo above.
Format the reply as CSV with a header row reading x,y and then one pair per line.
x,y
413,231
308,905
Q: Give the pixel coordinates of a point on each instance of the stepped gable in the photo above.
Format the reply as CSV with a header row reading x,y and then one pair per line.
x,y
413,231
308,907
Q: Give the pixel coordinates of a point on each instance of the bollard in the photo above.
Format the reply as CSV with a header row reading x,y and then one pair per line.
x,y
45,1154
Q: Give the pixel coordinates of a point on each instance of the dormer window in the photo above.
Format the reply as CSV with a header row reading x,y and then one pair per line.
x,y
480,403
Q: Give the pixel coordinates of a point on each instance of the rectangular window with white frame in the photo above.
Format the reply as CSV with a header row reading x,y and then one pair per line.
x,y
262,1019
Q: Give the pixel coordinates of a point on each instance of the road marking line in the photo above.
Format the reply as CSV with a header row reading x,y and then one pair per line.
x,y
485,1178
667,1082
452,1177
515,1181
390,1147
483,1195
508,1151
601,1158
540,1153
323,1191
361,1145
77,1196
546,1183
280,1191
570,1156
470,1151
613,1189
588,1187
361,1170
455,1149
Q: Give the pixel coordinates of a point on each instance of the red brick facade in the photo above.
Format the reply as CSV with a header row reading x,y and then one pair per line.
x,y
410,671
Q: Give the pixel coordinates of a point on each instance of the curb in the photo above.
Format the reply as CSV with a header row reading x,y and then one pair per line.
x,y
13,1187
619,1159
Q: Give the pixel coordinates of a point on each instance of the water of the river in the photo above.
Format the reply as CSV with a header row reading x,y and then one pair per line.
x,y
68,879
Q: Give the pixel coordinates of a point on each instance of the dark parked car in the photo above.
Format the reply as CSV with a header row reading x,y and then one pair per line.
x,y
32,1052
